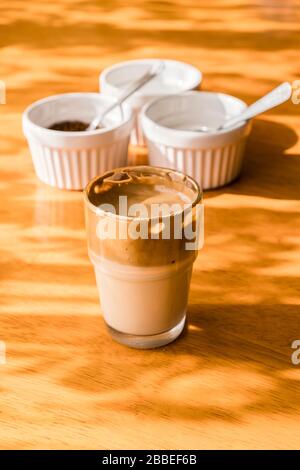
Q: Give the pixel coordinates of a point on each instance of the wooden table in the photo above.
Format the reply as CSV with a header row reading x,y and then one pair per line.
x,y
228,382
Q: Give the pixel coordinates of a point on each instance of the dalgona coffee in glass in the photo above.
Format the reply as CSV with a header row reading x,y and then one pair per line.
x,y
144,227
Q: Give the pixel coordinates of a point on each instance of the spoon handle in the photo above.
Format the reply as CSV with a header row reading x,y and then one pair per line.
x,y
132,88
276,97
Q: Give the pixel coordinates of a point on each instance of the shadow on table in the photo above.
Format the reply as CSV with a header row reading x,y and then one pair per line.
x,y
267,171
232,363
93,26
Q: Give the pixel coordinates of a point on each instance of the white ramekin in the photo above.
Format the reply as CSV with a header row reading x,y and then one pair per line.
x,y
69,160
176,77
213,159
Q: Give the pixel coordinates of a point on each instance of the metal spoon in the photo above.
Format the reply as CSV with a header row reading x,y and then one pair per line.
x,y
155,70
274,98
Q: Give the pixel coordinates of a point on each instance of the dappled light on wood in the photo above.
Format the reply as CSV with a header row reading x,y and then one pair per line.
x,y
228,381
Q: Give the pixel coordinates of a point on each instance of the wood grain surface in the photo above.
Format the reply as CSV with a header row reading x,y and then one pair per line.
x,y
228,382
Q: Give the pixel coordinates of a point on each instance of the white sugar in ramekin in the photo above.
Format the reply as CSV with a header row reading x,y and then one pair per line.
x,y
176,77
212,159
69,160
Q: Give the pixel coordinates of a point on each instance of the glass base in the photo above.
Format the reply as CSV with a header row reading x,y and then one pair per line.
x,y
147,342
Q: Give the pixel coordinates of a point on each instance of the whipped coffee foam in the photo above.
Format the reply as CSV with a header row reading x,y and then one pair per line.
x,y
140,188
149,187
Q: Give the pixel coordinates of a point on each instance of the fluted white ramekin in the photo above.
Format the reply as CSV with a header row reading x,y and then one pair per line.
x,y
176,77
69,160
170,123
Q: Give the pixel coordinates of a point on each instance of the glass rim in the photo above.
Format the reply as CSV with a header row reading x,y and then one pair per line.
x,y
160,170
